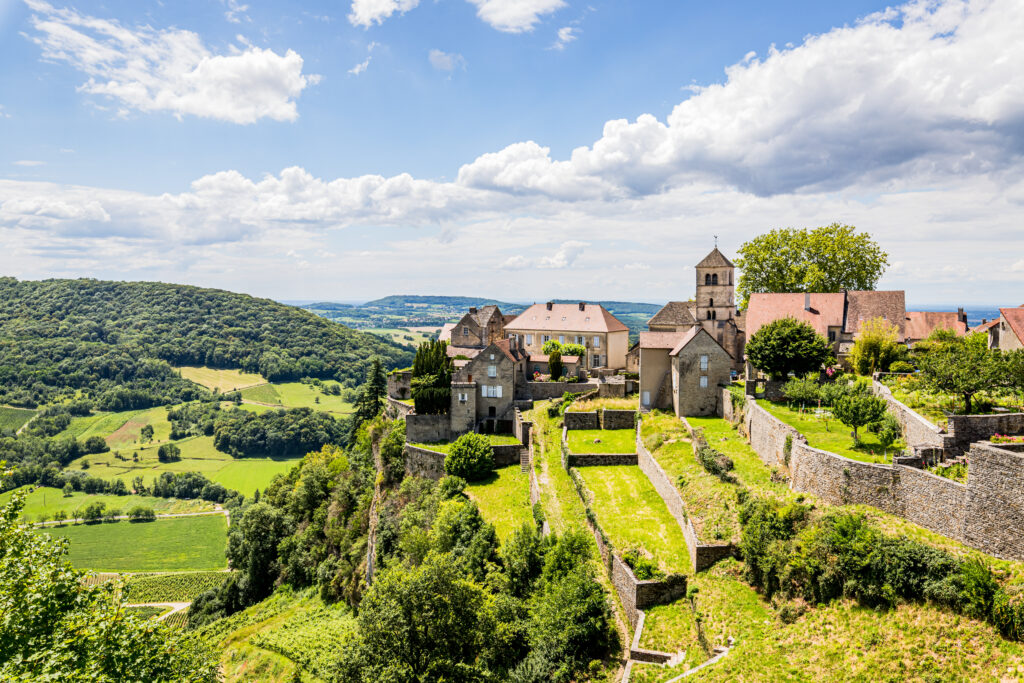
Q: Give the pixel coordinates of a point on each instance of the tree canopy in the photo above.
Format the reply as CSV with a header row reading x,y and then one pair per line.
x,y
432,378
824,259
787,346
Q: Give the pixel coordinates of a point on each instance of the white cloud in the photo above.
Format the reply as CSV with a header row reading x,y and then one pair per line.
x,y
1018,267
565,256
515,263
514,16
3,114
29,162
365,13
636,266
148,70
363,65
566,35
445,61
235,11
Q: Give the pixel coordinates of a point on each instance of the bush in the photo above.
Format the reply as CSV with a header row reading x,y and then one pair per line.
x,y
140,513
802,390
858,410
95,444
168,452
715,463
901,366
644,568
470,457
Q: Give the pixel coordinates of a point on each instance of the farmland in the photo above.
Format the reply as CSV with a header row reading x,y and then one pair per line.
x,y
221,380
298,395
45,500
175,544
406,336
11,419
177,587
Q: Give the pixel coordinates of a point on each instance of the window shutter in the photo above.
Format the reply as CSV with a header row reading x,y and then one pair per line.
x,y
498,394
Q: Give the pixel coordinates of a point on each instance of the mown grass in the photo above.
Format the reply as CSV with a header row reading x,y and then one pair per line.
x,y
609,403
632,514
221,380
298,395
601,440
831,434
504,499
493,439
12,419
176,544
46,500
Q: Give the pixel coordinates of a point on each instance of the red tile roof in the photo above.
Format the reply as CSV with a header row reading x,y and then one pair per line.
x,y
567,318
689,336
868,305
986,326
660,340
541,358
1014,317
826,310
920,324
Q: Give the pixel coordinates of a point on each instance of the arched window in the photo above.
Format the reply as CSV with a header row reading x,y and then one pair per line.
x,y
707,279
709,315
714,279
711,303
713,315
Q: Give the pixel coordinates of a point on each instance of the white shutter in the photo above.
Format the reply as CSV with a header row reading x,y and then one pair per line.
x,y
499,391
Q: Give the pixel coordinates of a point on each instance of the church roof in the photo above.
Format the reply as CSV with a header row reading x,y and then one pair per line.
x,y
715,259
673,313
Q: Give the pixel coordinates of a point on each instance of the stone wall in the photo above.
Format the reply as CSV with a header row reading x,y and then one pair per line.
x,y
599,459
588,420
424,463
932,501
395,409
506,455
521,428
702,555
995,501
767,434
841,481
728,412
618,419
543,390
400,384
917,431
966,429
427,428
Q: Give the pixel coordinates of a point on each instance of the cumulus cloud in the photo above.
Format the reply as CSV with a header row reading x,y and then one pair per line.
x,y
566,35
149,70
445,61
565,256
365,13
515,263
514,16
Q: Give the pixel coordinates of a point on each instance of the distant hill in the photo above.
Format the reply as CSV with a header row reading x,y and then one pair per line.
x,y
399,300
115,342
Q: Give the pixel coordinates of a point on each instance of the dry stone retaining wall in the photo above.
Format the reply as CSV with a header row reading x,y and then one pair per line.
x,y
589,420
507,455
397,410
599,459
917,430
618,419
521,428
966,429
424,463
767,434
544,390
427,428
995,504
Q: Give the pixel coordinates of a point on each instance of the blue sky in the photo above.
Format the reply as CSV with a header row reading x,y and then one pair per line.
x,y
510,148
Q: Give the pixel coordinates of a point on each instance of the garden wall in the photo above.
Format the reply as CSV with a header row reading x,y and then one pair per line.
x,y
934,502
966,429
767,434
397,409
521,428
618,419
841,481
995,501
427,428
424,463
702,555
544,390
599,459
507,455
917,431
589,420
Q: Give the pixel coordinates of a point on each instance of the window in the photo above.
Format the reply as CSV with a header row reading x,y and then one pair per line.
x,y
465,331
596,361
711,302
707,279
581,340
703,381
714,279
709,315
463,397
561,339
488,391
714,315
704,363
492,356
492,370
597,342
546,338
529,340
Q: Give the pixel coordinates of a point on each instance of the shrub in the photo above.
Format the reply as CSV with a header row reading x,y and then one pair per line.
x,y
140,513
888,430
95,444
876,347
858,410
901,366
555,366
470,457
802,390
715,462
644,568
538,515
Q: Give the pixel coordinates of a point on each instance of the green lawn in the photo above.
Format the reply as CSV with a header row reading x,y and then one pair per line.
x,y
831,434
298,395
632,513
504,499
588,405
494,439
13,418
562,507
177,544
46,501
601,440
222,380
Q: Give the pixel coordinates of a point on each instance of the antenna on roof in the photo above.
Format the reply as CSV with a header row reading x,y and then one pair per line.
x,y
716,241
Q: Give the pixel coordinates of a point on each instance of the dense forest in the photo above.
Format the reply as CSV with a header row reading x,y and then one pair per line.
x,y
116,342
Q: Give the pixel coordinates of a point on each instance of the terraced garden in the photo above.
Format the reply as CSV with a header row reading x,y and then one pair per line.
x,y
599,441
504,499
829,434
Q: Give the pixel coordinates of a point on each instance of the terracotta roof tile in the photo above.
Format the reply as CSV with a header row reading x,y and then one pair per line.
x,y
689,336
867,305
660,340
673,313
920,324
567,318
826,310
985,326
1015,319
446,332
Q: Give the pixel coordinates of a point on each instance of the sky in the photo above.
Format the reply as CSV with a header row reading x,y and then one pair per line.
x,y
516,149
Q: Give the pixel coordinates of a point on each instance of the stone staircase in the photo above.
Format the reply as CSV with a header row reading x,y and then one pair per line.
x,y
524,460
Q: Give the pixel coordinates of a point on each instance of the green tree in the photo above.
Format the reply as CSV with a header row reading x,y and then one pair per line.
x,y
470,457
1012,372
168,452
555,366
141,513
370,400
888,430
69,490
146,434
963,369
93,512
95,444
787,346
858,410
875,347
59,629
252,548
432,378
825,259
550,346
802,390
522,556
59,516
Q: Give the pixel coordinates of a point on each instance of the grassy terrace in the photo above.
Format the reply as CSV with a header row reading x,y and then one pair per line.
x,y
601,440
602,404
494,439
831,434
910,392
504,499
177,544
632,514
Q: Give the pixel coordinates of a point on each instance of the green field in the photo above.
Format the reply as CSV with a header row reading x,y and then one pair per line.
x,y
632,514
832,435
197,455
298,395
493,439
46,501
176,587
176,544
504,499
221,380
405,336
13,418
601,440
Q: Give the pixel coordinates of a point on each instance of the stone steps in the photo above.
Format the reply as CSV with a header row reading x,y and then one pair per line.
x,y
524,460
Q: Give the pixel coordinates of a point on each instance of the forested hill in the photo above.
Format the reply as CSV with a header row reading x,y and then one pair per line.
x,y
117,341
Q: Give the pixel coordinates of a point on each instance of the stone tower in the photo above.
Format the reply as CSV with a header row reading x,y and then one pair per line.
x,y
716,290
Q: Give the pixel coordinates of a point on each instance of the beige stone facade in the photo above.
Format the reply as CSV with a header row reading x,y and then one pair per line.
x,y
605,337
1007,334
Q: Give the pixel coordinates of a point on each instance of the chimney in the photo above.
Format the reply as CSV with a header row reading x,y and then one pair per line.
x,y
807,301
472,310
583,306
960,315
550,304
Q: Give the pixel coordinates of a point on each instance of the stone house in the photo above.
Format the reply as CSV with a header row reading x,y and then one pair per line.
x,y
485,387
920,324
476,329
1007,334
605,337
682,371
538,363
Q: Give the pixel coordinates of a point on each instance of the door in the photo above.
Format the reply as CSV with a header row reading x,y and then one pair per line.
x,y
647,398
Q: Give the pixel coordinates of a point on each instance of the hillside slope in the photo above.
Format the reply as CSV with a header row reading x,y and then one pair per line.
x,y
118,340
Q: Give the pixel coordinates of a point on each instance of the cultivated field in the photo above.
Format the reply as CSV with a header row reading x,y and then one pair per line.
x,y
504,499
13,418
412,336
221,380
176,544
175,587
298,395
46,501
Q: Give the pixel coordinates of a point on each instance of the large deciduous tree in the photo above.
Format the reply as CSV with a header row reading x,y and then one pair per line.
x,y
963,369
825,259
787,346
876,346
